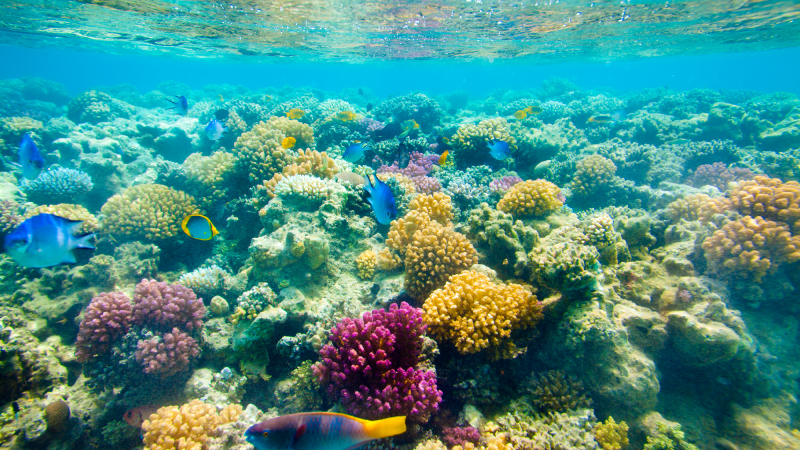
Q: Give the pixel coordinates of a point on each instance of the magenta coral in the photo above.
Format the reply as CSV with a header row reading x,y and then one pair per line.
x,y
453,436
370,366
167,305
168,354
107,317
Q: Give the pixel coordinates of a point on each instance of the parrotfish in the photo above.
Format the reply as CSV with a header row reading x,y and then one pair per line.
x,y
214,130
354,152
199,227
499,149
29,158
321,431
181,106
46,240
381,199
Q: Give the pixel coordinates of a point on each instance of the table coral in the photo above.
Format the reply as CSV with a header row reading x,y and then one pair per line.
x,y
751,247
474,313
147,211
57,185
188,427
433,255
769,198
531,198
592,174
369,366
106,318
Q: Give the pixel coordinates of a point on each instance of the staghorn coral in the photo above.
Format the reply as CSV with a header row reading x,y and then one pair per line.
x,y
167,354
611,435
697,207
592,174
553,391
188,427
365,263
57,185
531,198
259,153
433,255
106,318
68,211
470,141
751,248
475,314
147,211
769,198
165,306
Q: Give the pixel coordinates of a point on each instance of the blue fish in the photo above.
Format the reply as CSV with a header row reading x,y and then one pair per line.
x,y
199,227
46,240
29,158
499,149
181,106
382,200
355,152
214,130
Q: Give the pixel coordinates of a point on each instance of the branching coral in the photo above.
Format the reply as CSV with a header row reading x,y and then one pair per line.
x,y
592,174
769,198
433,255
611,435
57,185
307,187
9,215
475,314
208,174
365,263
308,162
437,206
187,427
68,211
553,391
147,211
167,354
167,305
698,207
470,140
531,198
107,318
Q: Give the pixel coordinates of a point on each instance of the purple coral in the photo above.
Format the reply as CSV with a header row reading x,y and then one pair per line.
x,y
107,317
460,435
371,125
418,165
168,354
167,305
370,366
503,184
426,185
719,175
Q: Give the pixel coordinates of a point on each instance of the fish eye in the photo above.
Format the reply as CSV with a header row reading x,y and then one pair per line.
x,y
265,434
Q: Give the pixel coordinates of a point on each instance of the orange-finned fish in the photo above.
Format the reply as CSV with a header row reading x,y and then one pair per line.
x,y
443,158
320,431
135,417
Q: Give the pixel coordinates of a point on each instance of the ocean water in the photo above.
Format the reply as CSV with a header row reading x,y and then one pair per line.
x,y
513,225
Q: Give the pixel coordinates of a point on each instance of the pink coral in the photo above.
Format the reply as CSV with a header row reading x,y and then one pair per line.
x,y
426,185
107,317
168,354
419,165
503,184
167,305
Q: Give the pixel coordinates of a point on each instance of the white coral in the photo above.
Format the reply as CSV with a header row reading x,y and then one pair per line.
x,y
307,187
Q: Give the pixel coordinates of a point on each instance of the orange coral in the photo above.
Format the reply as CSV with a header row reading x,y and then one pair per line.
x,y
434,254
698,207
531,198
769,198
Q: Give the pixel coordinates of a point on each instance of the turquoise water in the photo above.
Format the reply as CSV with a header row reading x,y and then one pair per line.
x,y
582,229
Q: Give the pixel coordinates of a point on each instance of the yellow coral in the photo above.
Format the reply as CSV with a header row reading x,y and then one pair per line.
x,y
593,173
474,313
405,182
402,230
259,152
388,260
308,162
434,254
147,211
531,198
610,435
366,262
473,138
437,206
698,207
208,174
751,247
769,198
187,427
68,211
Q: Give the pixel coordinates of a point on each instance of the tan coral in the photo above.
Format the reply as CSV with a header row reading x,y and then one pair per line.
x,y
388,260
437,206
147,211
402,230
434,254
366,262
531,198
769,198
208,174
698,207
187,427
68,211
405,182
473,138
592,174
308,162
259,153
474,313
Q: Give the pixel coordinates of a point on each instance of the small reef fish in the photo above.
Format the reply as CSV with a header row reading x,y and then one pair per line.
x,y
535,110
198,226
214,130
369,107
616,116
350,177
321,431
443,158
29,158
354,152
346,116
222,114
295,113
181,106
46,240
520,114
381,199
135,417
410,124
288,142
221,98
499,149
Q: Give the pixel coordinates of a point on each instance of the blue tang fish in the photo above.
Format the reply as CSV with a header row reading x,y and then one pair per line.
x,y
181,106
382,200
199,227
214,130
355,152
499,149
46,240
320,431
29,158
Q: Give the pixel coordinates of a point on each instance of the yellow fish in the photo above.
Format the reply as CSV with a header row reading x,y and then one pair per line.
x,y
521,114
221,98
410,124
346,116
267,98
295,113
443,158
199,227
534,110
288,142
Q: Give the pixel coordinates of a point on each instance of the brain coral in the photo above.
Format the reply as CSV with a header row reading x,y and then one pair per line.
x,y
434,254
474,313
147,211
259,152
751,248
187,427
57,185
592,173
769,198
531,198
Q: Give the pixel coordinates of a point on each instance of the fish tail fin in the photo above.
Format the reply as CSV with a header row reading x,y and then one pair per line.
x,y
83,241
392,426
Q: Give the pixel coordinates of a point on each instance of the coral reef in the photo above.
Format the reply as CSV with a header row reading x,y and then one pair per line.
x,y
167,354
433,255
147,211
553,391
531,198
107,318
769,198
611,435
166,306
57,185
592,174
189,426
